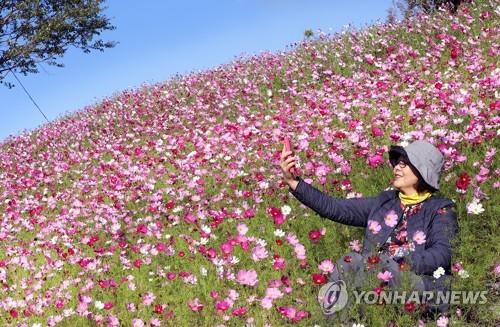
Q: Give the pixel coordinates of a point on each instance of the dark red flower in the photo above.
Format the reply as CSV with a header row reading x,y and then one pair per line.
x,y
319,279
158,308
410,306
347,258
373,260
137,263
315,235
277,215
463,181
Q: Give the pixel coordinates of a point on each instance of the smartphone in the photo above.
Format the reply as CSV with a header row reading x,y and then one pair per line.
x,y
288,147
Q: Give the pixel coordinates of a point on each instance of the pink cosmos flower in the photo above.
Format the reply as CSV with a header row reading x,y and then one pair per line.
x,y
279,263
232,294
375,160
419,237
266,303
148,298
482,176
249,213
190,218
142,229
137,323
293,314
113,321
456,267
496,270
226,248
131,307
292,239
81,308
222,305
247,277
374,226
391,219
326,266
384,276
259,253
355,245
239,312
300,252
195,305
273,293
242,229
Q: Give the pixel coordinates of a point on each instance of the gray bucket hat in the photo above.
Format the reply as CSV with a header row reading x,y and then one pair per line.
x,y
425,157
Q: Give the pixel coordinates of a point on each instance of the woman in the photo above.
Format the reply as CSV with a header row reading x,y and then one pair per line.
x,y
409,226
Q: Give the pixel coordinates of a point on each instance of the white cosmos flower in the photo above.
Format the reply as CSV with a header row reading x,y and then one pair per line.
x,y
279,233
234,260
286,210
99,305
438,272
463,273
264,185
206,229
261,242
475,207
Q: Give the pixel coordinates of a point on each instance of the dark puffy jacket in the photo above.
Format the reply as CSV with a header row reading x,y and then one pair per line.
x,y
437,218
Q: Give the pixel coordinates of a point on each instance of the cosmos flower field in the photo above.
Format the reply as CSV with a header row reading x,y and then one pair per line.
x,y
166,206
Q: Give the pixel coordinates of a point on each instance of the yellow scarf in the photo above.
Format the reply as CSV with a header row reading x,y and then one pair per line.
x,y
414,198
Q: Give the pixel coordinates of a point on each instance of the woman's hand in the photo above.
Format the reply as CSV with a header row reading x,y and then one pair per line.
x,y
288,161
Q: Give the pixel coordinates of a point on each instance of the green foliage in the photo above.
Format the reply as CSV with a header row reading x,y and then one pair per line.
x,y
32,32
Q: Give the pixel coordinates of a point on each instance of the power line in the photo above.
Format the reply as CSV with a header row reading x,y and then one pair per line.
x,y
29,95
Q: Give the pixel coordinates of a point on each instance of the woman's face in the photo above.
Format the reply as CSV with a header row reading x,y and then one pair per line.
x,y
404,178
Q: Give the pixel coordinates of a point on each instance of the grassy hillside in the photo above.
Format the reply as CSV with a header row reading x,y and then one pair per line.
x,y
162,206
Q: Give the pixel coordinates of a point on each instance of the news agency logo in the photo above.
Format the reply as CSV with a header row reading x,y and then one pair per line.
x,y
333,297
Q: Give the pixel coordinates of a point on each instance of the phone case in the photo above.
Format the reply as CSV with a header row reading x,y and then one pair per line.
x,y
288,147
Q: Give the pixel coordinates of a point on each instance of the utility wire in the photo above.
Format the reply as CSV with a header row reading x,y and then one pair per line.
x,y
29,95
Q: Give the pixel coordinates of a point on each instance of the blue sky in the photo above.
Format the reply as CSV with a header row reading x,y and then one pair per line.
x,y
158,39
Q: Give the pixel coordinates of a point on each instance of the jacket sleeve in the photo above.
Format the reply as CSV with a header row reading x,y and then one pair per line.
x,y
439,252
353,212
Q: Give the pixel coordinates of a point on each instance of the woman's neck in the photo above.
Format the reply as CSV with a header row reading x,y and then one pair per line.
x,y
408,191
